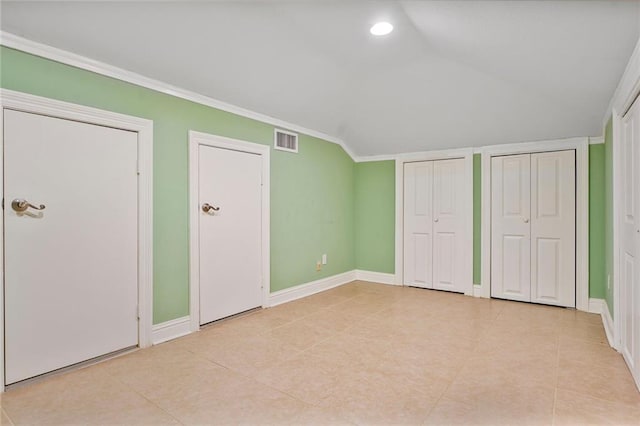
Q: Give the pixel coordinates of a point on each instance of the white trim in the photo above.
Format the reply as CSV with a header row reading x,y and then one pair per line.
x,y
303,290
599,306
628,87
53,108
196,139
376,277
595,305
467,155
65,57
617,213
372,158
596,140
582,208
170,330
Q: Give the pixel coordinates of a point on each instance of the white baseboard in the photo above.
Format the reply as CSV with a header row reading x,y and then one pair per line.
x,y
607,321
170,330
376,277
307,289
599,306
595,305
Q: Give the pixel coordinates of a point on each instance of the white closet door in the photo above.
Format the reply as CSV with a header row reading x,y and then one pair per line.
x,y
71,268
510,230
553,228
629,242
418,224
448,225
231,237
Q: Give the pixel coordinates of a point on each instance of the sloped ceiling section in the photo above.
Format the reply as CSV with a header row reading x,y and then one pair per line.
x,y
452,73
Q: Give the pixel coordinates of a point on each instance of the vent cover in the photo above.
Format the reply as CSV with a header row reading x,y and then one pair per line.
x,y
285,141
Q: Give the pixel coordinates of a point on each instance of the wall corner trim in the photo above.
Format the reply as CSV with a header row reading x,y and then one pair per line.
x,y
599,306
42,50
170,330
376,277
307,289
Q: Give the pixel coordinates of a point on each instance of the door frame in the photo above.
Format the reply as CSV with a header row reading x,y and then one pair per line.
x,y
195,140
24,102
581,146
467,155
627,91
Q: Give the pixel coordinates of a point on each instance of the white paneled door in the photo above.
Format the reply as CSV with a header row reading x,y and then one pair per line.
x,y
230,229
533,239
510,217
434,240
630,242
71,261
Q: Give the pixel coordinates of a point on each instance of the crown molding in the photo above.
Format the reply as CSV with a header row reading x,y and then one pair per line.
x,y
627,89
78,61
595,140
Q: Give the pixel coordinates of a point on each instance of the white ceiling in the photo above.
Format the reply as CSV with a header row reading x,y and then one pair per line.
x,y
451,74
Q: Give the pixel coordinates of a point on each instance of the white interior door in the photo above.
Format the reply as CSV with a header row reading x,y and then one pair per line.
x,y
71,286
553,228
418,224
230,238
510,230
629,242
448,225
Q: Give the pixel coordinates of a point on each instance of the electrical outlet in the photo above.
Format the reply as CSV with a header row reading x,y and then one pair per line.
x,y
318,266
324,259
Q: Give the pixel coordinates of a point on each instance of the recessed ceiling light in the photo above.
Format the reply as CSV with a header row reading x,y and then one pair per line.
x,y
381,28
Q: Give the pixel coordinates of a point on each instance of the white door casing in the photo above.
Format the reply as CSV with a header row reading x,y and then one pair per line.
x,y
434,229
629,280
230,246
511,236
553,230
225,153
418,228
80,275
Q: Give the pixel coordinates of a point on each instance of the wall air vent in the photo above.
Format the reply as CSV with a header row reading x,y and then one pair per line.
x,y
285,141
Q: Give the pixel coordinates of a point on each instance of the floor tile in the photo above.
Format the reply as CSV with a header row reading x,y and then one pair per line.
x,y
361,354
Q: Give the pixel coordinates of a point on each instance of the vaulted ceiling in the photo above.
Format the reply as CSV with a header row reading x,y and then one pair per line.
x,y
451,74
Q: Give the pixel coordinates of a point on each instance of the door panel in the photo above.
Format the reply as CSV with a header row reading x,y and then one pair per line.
x,y
553,228
510,230
71,272
418,224
448,225
230,239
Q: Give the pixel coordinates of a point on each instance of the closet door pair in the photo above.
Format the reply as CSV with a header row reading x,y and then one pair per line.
x,y
433,225
533,231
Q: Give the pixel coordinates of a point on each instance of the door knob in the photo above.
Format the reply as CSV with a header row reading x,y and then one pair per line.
x,y
206,207
526,220
20,205
436,220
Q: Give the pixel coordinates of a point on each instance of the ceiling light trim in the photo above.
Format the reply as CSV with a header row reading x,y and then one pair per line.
x,y
62,56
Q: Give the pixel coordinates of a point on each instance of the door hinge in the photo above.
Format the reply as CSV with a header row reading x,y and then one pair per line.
x,y
138,312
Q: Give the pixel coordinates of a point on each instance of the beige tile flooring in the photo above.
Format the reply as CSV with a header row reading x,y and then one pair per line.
x,y
359,354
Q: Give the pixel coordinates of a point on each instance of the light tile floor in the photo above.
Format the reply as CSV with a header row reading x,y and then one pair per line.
x,y
359,354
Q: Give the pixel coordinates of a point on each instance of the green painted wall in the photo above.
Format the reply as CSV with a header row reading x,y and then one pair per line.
x,y
477,218
608,213
375,216
311,208
597,263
